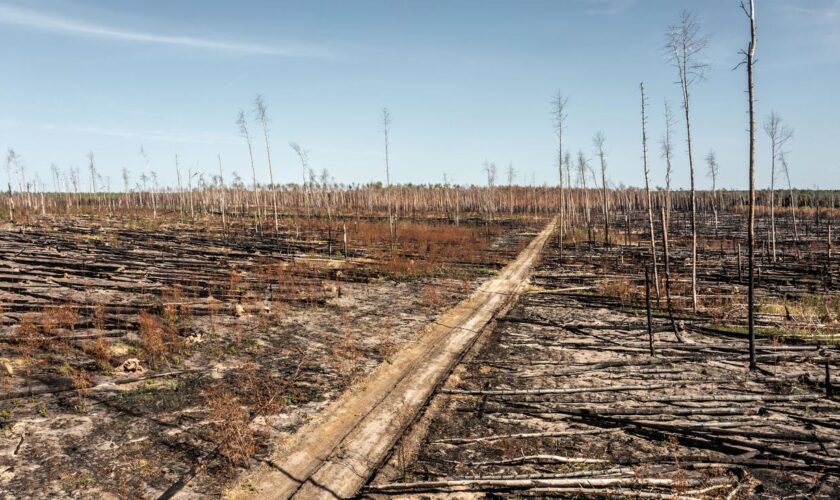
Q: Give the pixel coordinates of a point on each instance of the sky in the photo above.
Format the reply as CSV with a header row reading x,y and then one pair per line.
x,y
466,81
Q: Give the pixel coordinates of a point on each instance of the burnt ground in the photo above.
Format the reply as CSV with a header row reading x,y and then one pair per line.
x,y
138,361
563,398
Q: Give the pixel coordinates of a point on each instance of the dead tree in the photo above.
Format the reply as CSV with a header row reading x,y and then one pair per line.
x,y
685,46
779,135
647,192
222,201
261,110
386,128
243,131
303,156
599,146
583,165
668,155
511,175
559,112
180,186
793,202
712,172
749,57
92,167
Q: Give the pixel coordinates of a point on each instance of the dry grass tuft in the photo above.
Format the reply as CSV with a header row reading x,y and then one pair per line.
x,y
230,430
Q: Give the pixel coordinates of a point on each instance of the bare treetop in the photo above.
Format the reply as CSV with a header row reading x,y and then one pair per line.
x,y
386,120
777,132
242,123
712,166
684,46
598,141
559,111
261,110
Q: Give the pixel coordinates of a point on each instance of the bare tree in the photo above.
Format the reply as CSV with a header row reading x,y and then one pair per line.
x,y
647,191
386,129
583,166
491,171
749,58
303,156
180,185
222,201
12,160
145,157
779,135
560,114
243,131
685,46
261,110
712,170
92,168
668,155
793,202
511,175
599,141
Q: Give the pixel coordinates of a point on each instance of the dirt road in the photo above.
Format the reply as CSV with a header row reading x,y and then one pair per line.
x,y
334,455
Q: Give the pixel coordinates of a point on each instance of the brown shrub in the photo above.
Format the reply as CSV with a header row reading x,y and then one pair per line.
x,y
28,337
99,350
230,430
151,336
430,297
55,317
82,381
262,393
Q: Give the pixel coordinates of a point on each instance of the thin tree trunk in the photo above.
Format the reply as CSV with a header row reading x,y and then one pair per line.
x,y
751,225
647,191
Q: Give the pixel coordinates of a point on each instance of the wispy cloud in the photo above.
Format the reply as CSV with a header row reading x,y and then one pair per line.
x,y
236,80
608,7
40,21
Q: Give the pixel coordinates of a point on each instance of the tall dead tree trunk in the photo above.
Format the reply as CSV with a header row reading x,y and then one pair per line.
x,y
793,201
750,57
599,145
778,135
222,201
262,114
559,119
668,155
712,172
647,192
582,166
243,131
386,127
685,45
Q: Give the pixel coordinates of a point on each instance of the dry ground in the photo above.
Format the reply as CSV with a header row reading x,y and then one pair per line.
x,y
140,360
564,398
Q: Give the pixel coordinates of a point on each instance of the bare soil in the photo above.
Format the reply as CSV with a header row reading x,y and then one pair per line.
x,y
223,330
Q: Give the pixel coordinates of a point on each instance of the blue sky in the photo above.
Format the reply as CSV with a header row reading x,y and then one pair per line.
x,y
465,80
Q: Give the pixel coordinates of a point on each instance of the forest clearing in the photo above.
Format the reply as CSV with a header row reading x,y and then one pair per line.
x,y
320,299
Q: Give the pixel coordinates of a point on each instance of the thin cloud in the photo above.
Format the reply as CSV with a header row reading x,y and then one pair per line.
x,y
236,80
54,24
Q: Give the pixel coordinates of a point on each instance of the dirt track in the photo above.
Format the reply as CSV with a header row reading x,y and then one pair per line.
x,y
334,455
